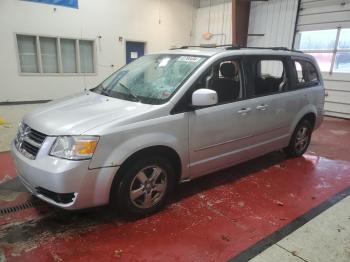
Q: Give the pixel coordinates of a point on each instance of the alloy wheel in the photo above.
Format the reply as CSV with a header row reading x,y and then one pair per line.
x,y
302,139
148,187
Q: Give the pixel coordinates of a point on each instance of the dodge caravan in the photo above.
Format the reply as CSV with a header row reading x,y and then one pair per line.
x,y
166,118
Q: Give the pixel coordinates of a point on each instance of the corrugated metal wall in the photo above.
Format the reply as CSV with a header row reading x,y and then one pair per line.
x,y
273,22
323,14
213,16
329,14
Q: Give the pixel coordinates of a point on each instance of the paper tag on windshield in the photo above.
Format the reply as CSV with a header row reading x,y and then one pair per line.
x,y
192,59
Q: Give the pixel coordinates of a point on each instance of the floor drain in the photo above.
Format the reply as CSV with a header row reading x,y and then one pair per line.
x,y
19,207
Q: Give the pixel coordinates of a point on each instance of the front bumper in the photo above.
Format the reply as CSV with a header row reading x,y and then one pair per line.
x,y
88,187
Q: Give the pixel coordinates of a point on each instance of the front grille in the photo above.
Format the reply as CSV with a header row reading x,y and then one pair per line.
x,y
37,136
31,149
62,198
29,141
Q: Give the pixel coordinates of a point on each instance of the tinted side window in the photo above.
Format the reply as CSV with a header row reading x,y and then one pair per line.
x,y
270,77
306,74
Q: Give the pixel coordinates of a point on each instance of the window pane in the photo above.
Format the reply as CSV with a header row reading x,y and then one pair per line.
x,y
324,60
68,56
344,39
48,48
317,40
306,72
299,73
27,54
342,62
271,68
86,56
270,77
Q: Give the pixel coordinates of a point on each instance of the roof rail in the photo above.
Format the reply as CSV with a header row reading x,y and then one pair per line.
x,y
277,48
201,46
235,47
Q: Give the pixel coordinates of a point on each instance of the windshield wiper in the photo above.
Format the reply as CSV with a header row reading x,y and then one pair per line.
x,y
105,92
100,90
130,92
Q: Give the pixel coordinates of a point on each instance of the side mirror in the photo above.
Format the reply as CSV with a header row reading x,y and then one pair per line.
x,y
204,97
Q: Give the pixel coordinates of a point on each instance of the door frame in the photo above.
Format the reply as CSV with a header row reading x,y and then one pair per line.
x,y
251,72
182,106
134,40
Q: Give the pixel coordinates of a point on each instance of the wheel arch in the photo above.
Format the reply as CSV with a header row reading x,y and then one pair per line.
x,y
291,149
309,112
311,117
160,150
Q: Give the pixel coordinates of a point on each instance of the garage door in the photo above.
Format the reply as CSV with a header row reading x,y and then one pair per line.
x,y
323,30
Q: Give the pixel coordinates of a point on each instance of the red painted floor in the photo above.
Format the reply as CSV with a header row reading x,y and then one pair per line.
x,y
213,218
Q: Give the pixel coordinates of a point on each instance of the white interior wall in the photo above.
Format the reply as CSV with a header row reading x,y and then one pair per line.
x,y
160,23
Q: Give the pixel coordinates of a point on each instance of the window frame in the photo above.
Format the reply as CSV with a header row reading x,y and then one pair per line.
x,y
252,61
296,85
183,105
18,55
59,56
41,67
77,56
216,66
333,51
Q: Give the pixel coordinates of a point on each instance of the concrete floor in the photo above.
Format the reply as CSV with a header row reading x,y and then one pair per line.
x,y
325,238
231,215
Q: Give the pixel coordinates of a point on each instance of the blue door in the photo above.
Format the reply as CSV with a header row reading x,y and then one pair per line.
x,y
134,50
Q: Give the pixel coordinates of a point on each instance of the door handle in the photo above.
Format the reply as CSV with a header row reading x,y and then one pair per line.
x,y
262,107
244,111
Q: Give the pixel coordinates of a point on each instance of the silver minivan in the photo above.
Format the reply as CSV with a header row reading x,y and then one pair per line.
x,y
166,118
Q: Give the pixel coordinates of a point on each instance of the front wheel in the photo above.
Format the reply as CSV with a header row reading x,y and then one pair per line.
x,y
300,139
144,186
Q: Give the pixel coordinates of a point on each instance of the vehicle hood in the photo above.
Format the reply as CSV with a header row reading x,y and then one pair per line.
x,y
76,114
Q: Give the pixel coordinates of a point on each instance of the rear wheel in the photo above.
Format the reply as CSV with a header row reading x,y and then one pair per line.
x,y
300,139
144,186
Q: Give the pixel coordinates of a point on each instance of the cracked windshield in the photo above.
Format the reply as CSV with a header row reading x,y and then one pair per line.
x,y
151,79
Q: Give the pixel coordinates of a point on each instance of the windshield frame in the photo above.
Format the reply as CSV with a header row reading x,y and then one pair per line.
x,y
147,100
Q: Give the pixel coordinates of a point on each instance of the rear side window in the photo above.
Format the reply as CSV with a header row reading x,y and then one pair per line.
x,y
270,77
306,74
271,68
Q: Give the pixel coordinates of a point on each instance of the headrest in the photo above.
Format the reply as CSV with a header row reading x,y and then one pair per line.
x,y
228,70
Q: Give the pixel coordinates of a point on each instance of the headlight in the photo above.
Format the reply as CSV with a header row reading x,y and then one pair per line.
x,y
74,147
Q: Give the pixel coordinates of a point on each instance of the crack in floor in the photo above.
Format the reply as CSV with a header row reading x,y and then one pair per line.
x,y
293,253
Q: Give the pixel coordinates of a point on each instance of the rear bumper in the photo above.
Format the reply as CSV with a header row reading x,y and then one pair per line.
x,y
67,184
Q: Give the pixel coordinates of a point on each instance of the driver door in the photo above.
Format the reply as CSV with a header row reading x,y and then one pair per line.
x,y
218,134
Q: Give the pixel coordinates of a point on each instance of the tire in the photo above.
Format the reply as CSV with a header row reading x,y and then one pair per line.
x,y
300,139
143,187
